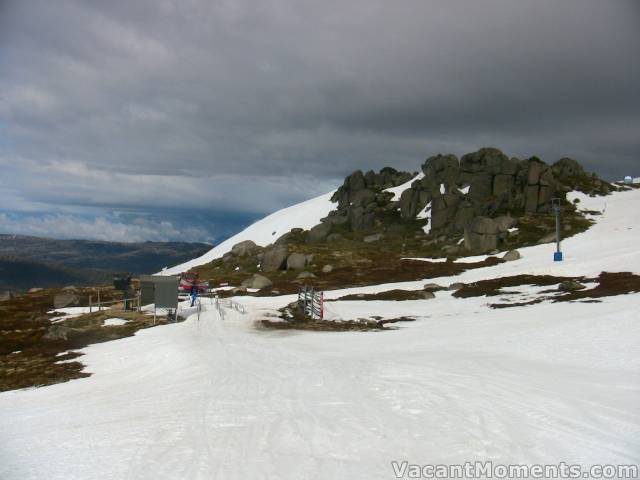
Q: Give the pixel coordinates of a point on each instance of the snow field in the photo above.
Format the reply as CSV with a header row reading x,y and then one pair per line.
x,y
221,399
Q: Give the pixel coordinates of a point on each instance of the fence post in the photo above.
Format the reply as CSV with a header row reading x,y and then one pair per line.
x,y
90,304
321,305
304,298
313,301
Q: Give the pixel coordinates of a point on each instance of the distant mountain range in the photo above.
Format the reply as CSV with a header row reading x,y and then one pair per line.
x,y
27,262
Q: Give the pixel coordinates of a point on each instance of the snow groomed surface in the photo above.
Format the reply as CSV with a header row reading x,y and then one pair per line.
x,y
219,399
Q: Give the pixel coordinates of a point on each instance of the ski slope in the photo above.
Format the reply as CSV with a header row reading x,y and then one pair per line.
x,y
213,399
220,399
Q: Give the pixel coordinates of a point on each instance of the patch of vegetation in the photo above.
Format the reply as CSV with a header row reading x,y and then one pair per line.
x,y
607,285
361,325
292,317
389,295
493,287
36,352
355,263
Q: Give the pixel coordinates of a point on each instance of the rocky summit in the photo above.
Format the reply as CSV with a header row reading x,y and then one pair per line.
x,y
483,202
454,194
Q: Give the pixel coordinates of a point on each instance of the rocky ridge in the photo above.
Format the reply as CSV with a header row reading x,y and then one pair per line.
x,y
483,202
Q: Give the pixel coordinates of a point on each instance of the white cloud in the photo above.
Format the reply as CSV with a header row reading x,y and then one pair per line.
x,y
71,183
98,228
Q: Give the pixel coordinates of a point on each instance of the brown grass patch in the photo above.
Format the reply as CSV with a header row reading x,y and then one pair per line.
x,y
389,295
492,287
608,285
30,357
361,325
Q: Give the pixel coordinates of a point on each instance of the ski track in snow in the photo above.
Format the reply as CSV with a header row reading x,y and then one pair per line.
x,y
219,399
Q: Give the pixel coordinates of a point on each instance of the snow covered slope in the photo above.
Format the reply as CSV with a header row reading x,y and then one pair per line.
x,y
215,399
218,399
263,232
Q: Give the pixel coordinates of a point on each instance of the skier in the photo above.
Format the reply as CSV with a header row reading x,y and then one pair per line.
x,y
194,294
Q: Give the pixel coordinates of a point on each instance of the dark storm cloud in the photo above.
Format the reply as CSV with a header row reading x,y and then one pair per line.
x,y
248,106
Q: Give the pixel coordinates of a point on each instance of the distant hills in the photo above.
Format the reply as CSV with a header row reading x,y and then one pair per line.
x,y
27,262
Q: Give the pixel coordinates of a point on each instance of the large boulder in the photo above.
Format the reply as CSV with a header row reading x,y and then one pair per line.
x,y
568,168
504,223
443,210
548,238
361,219
285,238
296,261
489,160
274,258
512,256
335,220
362,198
57,332
503,185
408,203
481,235
372,238
356,181
62,300
318,233
442,169
531,198
244,249
257,281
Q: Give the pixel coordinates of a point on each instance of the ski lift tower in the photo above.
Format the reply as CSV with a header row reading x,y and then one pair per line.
x,y
557,209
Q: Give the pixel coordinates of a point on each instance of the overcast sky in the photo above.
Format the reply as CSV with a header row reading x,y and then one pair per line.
x,y
165,119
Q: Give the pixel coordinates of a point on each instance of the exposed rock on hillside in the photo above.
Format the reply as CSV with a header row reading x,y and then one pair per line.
x,y
257,281
481,234
456,196
274,258
484,202
245,248
360,196
296,261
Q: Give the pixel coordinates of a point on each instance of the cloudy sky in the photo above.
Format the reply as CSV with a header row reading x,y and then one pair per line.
x,y
165,119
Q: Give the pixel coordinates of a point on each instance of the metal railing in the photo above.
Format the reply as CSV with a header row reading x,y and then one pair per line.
x,y
222,303
132,303
311,303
